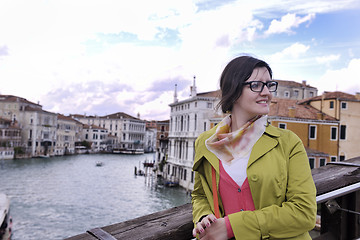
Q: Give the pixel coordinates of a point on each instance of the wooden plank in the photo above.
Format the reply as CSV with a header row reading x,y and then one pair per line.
x,y
331,177
169,224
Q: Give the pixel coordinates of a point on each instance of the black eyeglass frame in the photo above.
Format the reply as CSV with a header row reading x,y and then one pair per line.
x,y
263,85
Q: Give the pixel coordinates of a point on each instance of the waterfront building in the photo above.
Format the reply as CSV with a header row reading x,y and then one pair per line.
x,y
162,141
38,127
294,90
346,109
316,129
188,118
97,136
150,137
67,135
10,138
129,132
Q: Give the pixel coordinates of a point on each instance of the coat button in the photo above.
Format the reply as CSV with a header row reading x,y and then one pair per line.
x,y
241,210
254,177
239,190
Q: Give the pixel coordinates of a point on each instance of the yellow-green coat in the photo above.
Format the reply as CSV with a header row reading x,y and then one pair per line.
x,y
281,185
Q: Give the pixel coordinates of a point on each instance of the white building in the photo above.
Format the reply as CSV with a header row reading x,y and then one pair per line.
x,y
38,127
67,129
97,136
188,118
127,131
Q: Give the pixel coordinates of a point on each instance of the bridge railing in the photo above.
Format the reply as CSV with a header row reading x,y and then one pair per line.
x,y
338,198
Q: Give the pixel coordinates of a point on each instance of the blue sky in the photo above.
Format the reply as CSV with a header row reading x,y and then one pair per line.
x,y
101,57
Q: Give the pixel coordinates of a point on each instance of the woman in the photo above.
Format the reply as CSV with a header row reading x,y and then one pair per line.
x,y
252,180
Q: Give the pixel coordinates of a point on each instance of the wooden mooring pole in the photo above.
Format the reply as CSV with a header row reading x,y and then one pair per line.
x,y
336,181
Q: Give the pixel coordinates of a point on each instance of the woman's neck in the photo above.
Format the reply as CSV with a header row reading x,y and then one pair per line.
x,y
237,121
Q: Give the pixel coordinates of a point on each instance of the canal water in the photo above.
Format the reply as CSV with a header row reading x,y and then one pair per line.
x,y
59,197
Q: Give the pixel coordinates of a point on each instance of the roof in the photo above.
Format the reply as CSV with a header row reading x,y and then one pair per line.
x,y
280,107
32,109
11,98
66,118
120,115
216,93
333,95
288,83
312,152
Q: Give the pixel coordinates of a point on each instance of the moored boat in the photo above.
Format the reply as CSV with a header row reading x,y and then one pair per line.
x,y
5,219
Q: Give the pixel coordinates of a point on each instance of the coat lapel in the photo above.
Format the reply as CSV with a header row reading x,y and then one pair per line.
x,y
202,151
265,143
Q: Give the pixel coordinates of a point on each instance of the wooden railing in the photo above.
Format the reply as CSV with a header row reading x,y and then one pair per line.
x,y
338,196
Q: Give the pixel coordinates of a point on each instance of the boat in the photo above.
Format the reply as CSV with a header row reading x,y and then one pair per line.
x,y
5,218
129,151
98,164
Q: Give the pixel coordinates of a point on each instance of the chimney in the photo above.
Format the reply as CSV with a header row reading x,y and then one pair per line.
x,y
319,116
304,83
193,89
292,112
175,94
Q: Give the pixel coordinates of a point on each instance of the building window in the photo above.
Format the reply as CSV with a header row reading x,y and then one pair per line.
x,y
342,158
322,162
296,93
209,105
311,94
331,106
195,104
342,132
333,158
282,125
312,162
333,133
192,177
204,126
185,174
344,105
312,132
287,94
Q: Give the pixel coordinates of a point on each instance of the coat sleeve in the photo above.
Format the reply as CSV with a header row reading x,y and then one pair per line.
x,y
292,218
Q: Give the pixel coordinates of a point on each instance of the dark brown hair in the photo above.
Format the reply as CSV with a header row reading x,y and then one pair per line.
x,y
236,72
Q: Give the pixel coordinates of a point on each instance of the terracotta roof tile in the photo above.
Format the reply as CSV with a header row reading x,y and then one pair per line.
x,y
280,107
11,98
289,83
332,95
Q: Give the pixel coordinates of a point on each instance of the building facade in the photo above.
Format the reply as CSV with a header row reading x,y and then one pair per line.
x,y
294,90
346,109
188,118
317,130
10,138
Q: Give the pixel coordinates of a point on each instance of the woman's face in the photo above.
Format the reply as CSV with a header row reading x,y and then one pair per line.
x,y
251,104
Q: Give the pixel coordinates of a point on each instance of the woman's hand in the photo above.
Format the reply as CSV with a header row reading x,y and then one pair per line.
x,y
211,228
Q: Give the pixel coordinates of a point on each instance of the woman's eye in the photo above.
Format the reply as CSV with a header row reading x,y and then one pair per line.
x,y
255,85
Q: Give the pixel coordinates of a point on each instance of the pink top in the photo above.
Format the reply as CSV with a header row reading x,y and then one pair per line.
x,y
234,197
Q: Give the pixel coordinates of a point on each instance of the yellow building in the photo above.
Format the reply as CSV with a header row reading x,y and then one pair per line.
x,y
317,130
345,108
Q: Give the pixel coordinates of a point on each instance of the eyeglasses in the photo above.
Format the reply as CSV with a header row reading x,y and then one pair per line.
x,y
258,86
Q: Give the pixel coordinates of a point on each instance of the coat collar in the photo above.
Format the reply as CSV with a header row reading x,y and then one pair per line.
x,y
266,142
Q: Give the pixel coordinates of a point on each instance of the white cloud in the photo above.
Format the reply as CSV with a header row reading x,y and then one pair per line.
x,y
328,58
288,22
292,52
345,79
65,46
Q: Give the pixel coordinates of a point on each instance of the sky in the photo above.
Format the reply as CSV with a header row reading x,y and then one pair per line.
x,y
98,57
